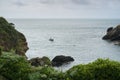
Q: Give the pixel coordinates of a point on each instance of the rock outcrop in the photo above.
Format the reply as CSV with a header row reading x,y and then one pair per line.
x,y
40,61
113,34
61,59
11,39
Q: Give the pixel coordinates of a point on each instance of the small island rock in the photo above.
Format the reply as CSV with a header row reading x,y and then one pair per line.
x,y
61,59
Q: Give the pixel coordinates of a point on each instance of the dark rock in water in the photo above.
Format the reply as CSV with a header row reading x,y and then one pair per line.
x,y
40,61
11,39
61,59
113,34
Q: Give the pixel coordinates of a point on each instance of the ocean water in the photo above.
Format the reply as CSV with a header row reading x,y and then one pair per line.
x,y
79,38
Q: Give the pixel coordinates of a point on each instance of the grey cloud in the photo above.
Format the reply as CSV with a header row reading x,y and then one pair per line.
x,y
66,2
46,1
84,2
81,2
19,3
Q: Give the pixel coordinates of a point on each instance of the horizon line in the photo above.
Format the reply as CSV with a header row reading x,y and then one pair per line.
x,y
62,18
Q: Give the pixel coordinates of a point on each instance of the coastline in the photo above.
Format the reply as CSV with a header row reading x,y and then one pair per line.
x,y
14,64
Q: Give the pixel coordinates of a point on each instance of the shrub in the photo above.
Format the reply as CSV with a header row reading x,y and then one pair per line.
x,y
46,73
98,70
14,67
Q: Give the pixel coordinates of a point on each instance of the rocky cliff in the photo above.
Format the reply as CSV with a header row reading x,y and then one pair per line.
x,y
11,39
113,34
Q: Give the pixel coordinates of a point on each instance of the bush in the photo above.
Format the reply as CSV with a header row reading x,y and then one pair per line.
x,y
14,67
46,73
99,70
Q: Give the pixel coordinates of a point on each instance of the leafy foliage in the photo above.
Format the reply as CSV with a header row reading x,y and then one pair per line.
x,y
11,39
99,70
46,73
8,35
15,67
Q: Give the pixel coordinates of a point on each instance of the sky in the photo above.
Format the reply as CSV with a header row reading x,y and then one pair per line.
x,y
103,9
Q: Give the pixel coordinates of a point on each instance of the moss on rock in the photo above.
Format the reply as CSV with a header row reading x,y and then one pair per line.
x,y
40,61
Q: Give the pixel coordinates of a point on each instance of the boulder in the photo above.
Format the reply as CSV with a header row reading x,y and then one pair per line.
x,y
113,34
11,39
40,61
61,59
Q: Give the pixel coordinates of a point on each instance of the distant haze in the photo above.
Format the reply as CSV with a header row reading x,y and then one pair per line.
x,y
60,9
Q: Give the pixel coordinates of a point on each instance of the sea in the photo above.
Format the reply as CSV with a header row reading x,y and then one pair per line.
x,y
78,38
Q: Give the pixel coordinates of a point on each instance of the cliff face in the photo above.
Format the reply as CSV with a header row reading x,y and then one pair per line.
x,y
11,39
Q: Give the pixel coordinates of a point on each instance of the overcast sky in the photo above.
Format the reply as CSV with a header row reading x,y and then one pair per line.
x,y
60,8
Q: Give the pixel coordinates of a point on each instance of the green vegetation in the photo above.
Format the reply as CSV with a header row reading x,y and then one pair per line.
x,y
101,69
46,73
11,39
46,60
8,35
15,67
